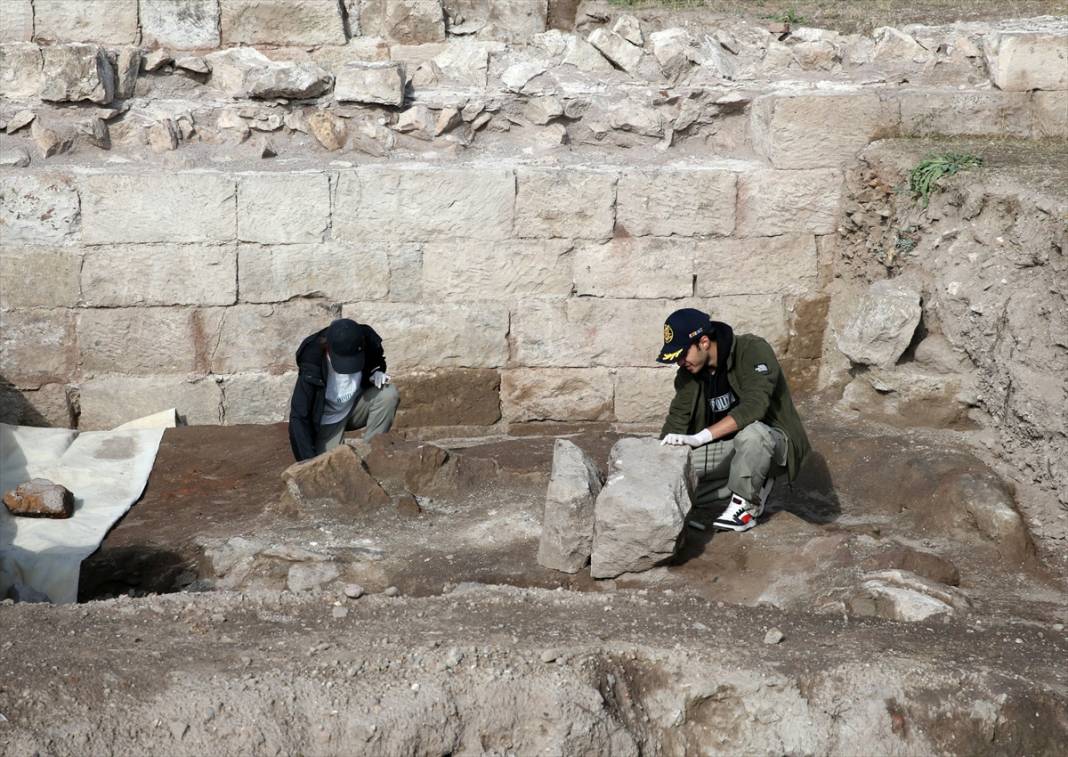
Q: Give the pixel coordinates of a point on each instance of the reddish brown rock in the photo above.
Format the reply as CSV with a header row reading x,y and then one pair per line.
x,y
408,505
40,498
338,475
459,397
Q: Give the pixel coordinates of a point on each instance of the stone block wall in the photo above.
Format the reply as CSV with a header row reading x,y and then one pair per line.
x,y
517,227
545,286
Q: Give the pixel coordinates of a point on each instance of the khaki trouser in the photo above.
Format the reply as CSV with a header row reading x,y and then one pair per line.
x,y
374,411
740,465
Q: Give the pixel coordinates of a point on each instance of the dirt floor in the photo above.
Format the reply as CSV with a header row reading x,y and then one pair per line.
x,y
461,643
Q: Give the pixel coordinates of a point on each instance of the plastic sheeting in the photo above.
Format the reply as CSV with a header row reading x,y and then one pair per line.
x,y
40,558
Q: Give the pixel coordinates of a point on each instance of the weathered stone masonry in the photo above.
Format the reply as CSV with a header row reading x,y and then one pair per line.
x,y
517,229
556,278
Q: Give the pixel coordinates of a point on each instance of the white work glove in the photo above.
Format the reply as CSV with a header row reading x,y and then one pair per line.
x,y
702,437
379,379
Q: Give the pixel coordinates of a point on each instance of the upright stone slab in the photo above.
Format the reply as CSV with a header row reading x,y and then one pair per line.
x,y
73,73
567,525
107,21
295,23
409,22
642,509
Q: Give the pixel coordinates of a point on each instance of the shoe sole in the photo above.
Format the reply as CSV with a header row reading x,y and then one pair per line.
x,y
735,528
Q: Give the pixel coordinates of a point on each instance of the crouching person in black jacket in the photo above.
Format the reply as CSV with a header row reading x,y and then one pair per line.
x,y
342,385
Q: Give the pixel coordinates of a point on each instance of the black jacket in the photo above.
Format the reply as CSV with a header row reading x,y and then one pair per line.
x,y
309,394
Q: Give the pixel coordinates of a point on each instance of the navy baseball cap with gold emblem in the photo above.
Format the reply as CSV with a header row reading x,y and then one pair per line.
x,y
681,329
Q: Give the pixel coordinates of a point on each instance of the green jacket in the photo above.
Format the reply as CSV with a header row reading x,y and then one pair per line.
x,y
757,380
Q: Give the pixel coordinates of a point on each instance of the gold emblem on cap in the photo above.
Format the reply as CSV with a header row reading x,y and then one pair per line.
x,y
668,334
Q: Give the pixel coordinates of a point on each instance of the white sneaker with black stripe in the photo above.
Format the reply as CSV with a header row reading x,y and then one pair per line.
x,y
741,514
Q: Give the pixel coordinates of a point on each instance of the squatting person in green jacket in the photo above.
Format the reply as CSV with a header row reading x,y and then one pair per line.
x,y
733,406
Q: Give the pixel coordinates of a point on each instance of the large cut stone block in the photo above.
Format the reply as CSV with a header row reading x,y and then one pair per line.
x,y
257,397
511,20
816,129
465,270
643,394
180,24
17,22
417,203
882,325
44,277
199,207
47,405
1051,115
1021,61
567,522
586,331
379,83
449,397
635,267
437,335
642,509
72,73
37,347
409,22
774,202
139,341
556,394
682,202
282,23
338,272
109,401
124,275
108,21
279,208
38,210
762,265
565,203
262,337
20,69
980,113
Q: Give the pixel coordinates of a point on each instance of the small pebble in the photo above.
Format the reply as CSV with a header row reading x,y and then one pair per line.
x,y
391,591
550,655
1058,626
340,612
353,591
773,636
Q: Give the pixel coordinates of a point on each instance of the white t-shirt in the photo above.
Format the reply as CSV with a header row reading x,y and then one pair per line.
x,y
342,391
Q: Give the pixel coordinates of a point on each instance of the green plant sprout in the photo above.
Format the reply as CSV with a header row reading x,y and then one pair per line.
x,y
924,178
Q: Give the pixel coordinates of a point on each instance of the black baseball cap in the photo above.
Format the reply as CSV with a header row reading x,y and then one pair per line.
x,y
344,337
681,329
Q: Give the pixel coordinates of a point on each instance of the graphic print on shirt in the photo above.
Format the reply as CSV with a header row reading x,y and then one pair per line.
x,y
722,403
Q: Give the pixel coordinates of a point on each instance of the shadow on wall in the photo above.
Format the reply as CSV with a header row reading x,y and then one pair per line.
x,y
17,408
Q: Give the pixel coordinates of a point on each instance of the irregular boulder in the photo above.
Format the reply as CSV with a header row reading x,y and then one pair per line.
x,y
77,72
374,82
969,502
40,498
245,72
928,565
882,325
642,509
337,475
617,49
567,524
1019,61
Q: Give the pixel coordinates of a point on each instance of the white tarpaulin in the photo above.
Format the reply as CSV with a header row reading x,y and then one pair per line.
x,y
106,471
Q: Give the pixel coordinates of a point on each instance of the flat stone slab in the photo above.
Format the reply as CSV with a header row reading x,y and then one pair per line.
x,y
642,509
